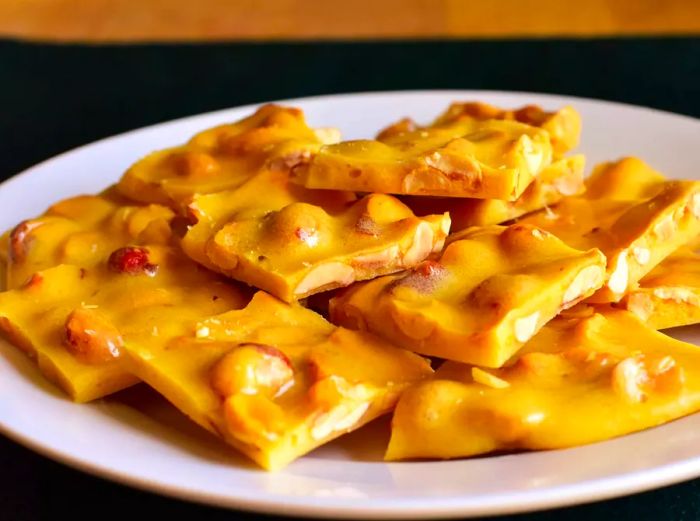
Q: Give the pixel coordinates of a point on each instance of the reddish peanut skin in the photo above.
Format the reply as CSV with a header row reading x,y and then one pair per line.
x,y
35,281
19,238
131,260
424,277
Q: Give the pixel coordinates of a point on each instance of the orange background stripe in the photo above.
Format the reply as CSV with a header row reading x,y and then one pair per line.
x,y
166,20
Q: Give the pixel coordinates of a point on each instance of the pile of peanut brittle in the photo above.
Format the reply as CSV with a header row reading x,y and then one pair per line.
x,y
282,287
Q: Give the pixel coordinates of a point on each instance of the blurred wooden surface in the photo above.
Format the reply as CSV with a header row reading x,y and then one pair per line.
x,y
206,20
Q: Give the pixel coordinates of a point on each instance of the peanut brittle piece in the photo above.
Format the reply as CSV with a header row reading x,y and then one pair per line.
x,y
293,248
224,157
488,294
563,125
579,380
490,159
276,380
301,249
669,295
82,231
562,178
74,321
632,214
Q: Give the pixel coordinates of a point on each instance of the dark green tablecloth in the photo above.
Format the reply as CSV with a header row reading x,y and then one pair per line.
x,y
53,98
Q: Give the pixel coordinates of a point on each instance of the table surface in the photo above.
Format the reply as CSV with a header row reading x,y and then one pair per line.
x,y
53,98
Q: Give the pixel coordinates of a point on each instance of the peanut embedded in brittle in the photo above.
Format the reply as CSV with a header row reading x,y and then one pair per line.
x,y
90,337
252,369
19,238
195,164
329,274
422,245
636,377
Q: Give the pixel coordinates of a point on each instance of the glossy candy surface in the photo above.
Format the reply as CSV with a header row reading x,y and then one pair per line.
x,y
563,125
224,157
561,179
268,191
75,321
295,242
81,231
488,293
276,380
467,157
632,214
581,379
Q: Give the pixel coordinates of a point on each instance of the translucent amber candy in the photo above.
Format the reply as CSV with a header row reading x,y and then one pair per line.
x,y
266,192
224,157
292,248
83,231
489,293
75,321
669,295
276,380
563,125
632,214
490,159
581,379
562,178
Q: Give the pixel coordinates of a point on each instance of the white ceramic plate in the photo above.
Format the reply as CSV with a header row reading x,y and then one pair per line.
x,y
154,448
